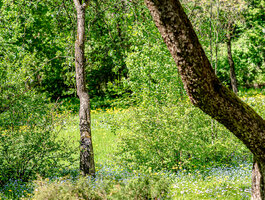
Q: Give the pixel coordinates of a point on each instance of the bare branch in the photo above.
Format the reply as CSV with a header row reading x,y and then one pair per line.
x,y
77,4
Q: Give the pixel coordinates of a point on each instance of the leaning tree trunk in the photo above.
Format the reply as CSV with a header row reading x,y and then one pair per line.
x,y
203,87
87,165
231,62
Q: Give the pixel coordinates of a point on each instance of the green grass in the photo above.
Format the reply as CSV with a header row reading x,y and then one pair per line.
x,y
103,138
217,183
227,182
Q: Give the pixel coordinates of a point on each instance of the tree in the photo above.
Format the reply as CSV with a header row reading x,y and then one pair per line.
x,y
205,90
225,18
87,165
231,13
230,59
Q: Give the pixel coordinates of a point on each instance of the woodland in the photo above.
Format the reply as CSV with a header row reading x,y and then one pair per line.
x,y
132,99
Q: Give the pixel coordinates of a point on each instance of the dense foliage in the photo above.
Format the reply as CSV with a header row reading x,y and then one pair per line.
x,y
177,136
29,143
128,66
37,44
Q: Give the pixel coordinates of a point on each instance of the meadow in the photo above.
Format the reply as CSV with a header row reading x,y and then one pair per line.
x,y
114,180
157,151
225,182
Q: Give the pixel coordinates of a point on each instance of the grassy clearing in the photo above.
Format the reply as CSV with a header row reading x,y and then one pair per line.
x,y
113,181
228,182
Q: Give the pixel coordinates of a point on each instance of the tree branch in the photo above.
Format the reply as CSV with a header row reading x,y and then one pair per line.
x,y
85,4
77,4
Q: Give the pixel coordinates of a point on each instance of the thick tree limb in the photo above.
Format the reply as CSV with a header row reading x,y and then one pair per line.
x,y
203,87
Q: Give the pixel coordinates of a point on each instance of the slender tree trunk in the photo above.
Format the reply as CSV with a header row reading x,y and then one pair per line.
x,y
231,63
216,53
87,165
217,38
211,52
211,39
203,87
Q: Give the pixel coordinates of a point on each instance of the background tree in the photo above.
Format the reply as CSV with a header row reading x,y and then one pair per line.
x,y
205,90
29,38
231,13
87,165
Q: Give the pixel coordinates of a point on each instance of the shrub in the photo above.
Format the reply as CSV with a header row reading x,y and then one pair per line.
x,y
174,137
144,186
28,140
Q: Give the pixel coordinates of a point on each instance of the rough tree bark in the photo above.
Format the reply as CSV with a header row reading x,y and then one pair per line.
x,y
231,61
87,165
203,87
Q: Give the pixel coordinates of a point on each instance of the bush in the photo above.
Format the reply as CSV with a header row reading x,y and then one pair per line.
x,y
174,137
144,186
29,143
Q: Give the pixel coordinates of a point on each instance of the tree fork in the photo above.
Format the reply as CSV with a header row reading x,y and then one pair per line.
x,y
203,87
87,165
